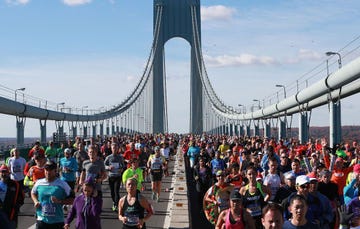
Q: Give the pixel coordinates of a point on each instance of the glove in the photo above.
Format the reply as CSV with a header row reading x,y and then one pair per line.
x,y
344,216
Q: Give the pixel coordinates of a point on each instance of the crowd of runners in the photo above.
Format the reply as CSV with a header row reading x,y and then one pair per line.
x,y
69,179
242,182
256,182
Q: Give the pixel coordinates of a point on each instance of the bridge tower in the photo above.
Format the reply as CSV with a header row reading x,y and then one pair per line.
x,y
177,21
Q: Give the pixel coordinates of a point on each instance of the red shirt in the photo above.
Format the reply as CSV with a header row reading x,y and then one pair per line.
x,y
128,155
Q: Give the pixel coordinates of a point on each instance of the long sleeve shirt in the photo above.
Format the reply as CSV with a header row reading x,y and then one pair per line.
x,y
350,191
86,216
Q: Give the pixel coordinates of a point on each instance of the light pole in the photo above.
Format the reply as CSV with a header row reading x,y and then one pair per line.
x,y
335,110
240,105
335,53
279,85
59,104
256,100
19,89
100,109
82,109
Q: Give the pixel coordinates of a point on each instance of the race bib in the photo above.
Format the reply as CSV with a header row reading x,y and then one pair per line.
x,y
17,168
132,220
65,170
48,209
116,165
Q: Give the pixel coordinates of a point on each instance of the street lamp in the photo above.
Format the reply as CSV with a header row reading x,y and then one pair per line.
x,y
82,109
19,89
240,105
335,53
58,105
256,100
279,85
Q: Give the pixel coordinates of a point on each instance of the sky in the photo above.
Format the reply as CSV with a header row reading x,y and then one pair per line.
x,y
93,52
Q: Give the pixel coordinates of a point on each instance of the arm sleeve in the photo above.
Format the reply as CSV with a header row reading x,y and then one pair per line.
x,y
349,191
96,206
71,214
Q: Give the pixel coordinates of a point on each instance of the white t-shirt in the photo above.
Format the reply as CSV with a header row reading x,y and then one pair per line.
x,y
274,182
17,166
165,152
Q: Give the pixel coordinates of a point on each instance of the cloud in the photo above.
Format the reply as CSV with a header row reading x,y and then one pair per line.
x,y
217,12
243,59
305,55
17,2
76,2
131,78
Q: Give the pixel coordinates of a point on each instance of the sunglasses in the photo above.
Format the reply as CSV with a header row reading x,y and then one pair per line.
x,y
303,186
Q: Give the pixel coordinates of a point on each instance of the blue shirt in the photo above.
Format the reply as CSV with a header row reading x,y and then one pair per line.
x,y
308,225
68,167
50,212
193,151
3,189
217,164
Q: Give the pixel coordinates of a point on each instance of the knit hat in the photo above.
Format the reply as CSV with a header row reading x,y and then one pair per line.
x,y
4,168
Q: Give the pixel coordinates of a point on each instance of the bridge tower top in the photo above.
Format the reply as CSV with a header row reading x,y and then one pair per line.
x,y
177,19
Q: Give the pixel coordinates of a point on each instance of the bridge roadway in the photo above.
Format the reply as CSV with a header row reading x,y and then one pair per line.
x,y
170,212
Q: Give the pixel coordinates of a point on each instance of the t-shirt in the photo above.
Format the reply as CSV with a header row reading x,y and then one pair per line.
x,y
308,225
17,166
117,163
94,170
68,168
50,212
274,182
156,162
165,152
3,189
128,173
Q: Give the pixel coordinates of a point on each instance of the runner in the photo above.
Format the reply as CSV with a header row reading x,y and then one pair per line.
x,y
86,208
114,163
11,199
132,207
236,217
48,195
94,168
156,163
216,199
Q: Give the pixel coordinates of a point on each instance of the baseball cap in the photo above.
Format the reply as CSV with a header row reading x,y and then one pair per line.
x,y
4,168
259,177
50,165
312,176
302,179
219,173
339,159
67,150
235,195
289,176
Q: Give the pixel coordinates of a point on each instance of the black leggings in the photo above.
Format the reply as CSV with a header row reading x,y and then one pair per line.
x,y
42,225
114,183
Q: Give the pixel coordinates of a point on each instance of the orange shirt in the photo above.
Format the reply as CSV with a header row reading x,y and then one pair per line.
x,y
36,173
339,178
